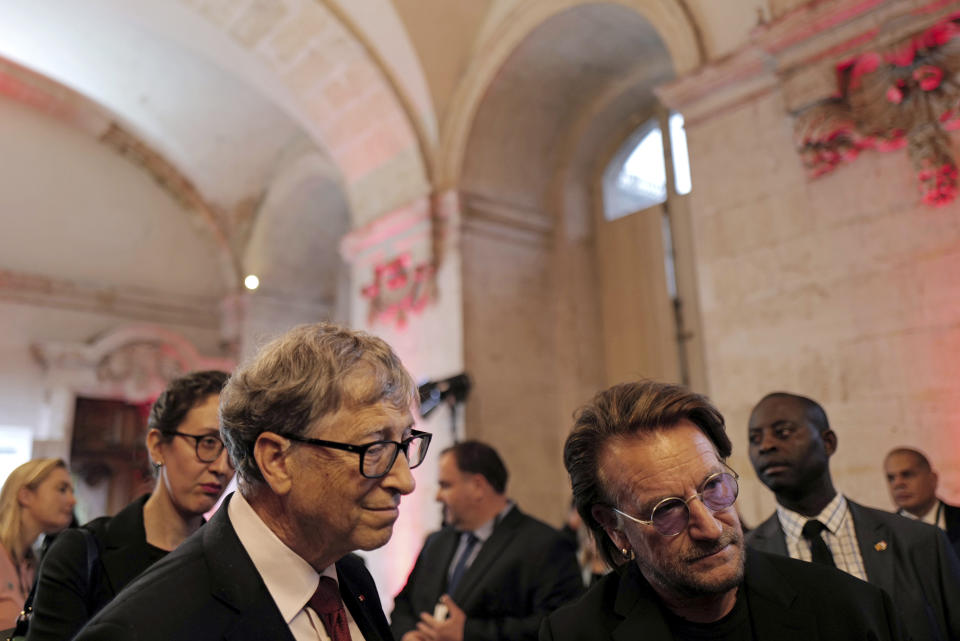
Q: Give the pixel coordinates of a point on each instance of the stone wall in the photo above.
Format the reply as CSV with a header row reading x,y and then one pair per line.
x,y
841,289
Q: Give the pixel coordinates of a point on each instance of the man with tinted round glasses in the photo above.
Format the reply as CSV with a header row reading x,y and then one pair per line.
x,y
319,427
647,462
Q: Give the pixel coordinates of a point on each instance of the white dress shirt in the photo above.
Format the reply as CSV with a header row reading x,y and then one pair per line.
x,y
840,536
290,580
933,517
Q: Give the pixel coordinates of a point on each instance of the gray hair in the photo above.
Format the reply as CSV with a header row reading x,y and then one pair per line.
x,y
299,378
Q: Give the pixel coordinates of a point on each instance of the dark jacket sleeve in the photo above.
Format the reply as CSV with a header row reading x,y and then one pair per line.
x,y
949,566
404,616
555,580
60,607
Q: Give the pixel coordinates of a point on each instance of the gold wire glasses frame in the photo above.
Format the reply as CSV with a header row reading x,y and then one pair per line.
x,y
377,458
671,515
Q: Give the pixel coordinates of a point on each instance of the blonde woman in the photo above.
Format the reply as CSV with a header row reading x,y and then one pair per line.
x,y
36,499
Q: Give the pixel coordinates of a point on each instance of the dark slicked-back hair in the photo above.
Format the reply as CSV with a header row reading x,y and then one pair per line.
x,y
816,415
622,411
182,395
474,457
294,381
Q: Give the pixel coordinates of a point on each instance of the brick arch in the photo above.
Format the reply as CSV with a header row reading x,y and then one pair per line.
x,y
670,19
344,95
55,100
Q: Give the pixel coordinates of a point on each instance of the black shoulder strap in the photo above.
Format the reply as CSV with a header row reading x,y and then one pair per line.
x,y
93,558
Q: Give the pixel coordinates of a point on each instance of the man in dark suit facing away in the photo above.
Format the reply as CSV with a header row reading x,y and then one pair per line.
x,y
913,488
319,428
790,448
492,572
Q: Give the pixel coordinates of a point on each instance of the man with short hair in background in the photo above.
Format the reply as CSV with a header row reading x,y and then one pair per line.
x,y
319,427
493,572
913,488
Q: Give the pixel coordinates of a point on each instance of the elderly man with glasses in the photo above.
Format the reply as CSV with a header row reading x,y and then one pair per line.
x,y
647,463
320,430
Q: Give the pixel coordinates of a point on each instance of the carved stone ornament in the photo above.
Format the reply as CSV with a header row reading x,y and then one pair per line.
x,y
399,289
906,95
133,363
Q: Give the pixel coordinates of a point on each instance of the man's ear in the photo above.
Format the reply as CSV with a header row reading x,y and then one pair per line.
x,y
272,454
829,438
606,518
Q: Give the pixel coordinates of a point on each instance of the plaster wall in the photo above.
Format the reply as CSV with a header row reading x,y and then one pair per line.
x,y
22,379
71,207
842,289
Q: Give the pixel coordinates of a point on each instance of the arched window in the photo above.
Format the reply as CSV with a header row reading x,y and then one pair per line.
x,y
636,178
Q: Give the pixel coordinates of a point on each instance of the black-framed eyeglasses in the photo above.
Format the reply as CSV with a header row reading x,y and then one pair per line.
x,y
671,515
377,458
208,446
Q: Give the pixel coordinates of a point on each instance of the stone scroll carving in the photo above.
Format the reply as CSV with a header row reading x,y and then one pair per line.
x,y
134,363
905,95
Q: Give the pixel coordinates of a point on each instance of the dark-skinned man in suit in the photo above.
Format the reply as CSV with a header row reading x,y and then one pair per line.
x,y
790,448
494,571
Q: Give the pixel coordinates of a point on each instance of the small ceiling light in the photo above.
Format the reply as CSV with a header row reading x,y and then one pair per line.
x,y
251,282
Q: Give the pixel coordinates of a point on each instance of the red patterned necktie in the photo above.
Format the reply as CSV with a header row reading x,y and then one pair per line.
x,y
327,604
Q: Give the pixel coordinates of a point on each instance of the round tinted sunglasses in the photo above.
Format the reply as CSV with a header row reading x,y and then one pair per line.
x,y
670,516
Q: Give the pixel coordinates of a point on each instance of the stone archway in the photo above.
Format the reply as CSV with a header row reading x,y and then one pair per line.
x,y
532,310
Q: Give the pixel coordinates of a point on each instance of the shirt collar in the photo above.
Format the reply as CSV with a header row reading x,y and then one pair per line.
x,y
290,580
485,531
831,516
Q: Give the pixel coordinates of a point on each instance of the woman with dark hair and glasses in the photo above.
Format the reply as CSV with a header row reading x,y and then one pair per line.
x,y
81,574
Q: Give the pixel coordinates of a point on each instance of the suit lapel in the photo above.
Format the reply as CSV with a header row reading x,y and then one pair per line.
x,y
769,537
441,553
361,602
235,581
637,603
874,541
491,550
772,602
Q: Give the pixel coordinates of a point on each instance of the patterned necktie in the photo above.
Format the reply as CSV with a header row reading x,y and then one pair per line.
x,y
812,530
461,565
327,604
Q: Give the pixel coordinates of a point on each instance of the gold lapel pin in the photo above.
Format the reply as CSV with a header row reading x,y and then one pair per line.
x,y
880,546
360,598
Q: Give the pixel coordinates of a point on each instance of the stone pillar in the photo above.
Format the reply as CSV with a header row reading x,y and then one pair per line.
x,y
405,287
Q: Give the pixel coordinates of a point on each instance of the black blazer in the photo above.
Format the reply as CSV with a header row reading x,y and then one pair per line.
x,y
910,560
67,596
208,588
524,571
951,515
789,601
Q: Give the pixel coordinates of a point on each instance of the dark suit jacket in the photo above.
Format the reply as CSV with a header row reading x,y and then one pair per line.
x,y
951,515
910,560
524,571
208,588
789,601
67,593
